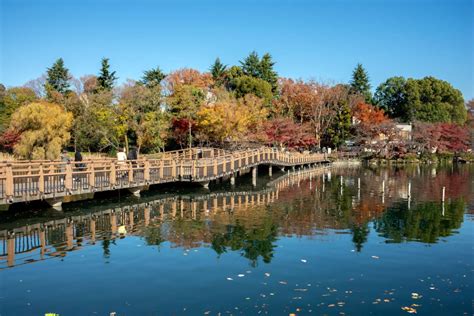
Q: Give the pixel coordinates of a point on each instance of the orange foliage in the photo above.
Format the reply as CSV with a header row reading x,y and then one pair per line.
x,y
188,76
369,114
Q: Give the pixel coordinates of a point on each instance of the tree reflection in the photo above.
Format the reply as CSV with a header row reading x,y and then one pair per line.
x,y
253,242
424,222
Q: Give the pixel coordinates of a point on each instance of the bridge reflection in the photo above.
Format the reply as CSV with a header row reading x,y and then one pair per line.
x,y
309,202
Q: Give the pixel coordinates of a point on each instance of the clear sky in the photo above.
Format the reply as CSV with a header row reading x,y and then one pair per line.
x,y
321,40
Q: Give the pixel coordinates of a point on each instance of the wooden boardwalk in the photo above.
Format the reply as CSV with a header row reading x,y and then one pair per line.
x,y
45,239
57,182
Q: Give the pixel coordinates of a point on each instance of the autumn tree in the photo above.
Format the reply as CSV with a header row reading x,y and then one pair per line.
x,y
284,132
44,129
10,100
368,114
360,83
57,78
230,119
184,105
106,78
187,77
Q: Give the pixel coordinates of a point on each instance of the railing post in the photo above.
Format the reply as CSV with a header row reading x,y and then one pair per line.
x,y
205,169
173,168
9,190
130,172
41,179
68,180
90,168
146,171
162,167
113,174
215,167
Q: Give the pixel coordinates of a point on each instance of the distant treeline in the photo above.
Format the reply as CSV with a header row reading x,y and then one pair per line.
x,y
237,105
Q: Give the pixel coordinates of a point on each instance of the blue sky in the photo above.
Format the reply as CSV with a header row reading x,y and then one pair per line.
x,y
321,40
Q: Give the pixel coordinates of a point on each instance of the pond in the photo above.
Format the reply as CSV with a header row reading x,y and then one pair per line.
x,y
345,240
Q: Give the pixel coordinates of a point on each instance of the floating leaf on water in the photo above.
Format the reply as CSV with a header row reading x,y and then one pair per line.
x,y
409,309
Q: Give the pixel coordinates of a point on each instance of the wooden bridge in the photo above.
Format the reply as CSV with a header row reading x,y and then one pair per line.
x,y
56,182
45,239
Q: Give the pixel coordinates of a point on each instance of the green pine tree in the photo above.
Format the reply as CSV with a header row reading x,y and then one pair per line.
x,y
360,83
58,77
152,77
267,73
218,70
251,65
106,79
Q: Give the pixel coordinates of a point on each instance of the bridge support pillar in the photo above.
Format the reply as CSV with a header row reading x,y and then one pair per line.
x,y
56,203
232,179
254,176
270,171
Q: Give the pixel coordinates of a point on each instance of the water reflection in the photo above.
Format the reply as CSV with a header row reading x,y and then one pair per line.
x,y
309,203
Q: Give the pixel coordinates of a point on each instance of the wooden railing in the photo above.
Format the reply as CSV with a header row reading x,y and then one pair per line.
x,y
36,180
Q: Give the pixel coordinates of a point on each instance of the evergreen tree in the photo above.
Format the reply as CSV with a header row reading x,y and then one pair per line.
x,y
338,132
152,77
58,77
251,65
218,70
106,79
267,73
360,83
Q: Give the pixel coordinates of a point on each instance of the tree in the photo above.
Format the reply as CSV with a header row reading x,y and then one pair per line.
x,y
187,76
267,72
218,71
391,96
10,100
360,83
106,78
283,132
251,65
368,114
57,78
153,77
249,85
229,119
428,99
147,123
337,133
262,69
184,104
440,137
44,129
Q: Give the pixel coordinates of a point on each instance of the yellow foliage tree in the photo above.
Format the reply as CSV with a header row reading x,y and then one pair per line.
x,y
44,129
230,119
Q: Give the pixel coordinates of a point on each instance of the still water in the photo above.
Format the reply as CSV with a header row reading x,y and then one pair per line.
x,y
313,242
